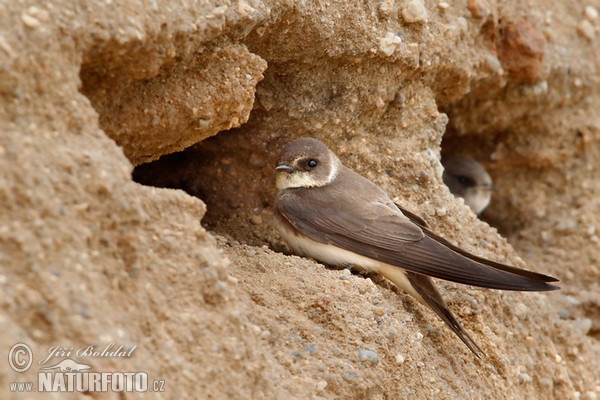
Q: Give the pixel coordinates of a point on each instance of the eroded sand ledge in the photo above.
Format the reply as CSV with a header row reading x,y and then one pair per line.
x,y
89,256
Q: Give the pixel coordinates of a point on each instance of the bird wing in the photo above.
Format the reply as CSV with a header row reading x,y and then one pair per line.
x,y
508,268
378,230
430,295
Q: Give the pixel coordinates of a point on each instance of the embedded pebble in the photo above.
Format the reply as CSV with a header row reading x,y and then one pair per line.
x,y
586,29
525,378
415,11
443,5
30,21
345,274
479,8
589,396
583,325
321,385
311,348
378,311
389,43
400,358
367,355
521,310
564,314
591,13
256,220
350,375
557,358
567,225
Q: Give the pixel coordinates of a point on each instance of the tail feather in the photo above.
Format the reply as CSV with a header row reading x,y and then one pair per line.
x,y
429,294
533,276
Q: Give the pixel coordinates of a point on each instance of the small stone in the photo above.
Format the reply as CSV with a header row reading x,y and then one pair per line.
x,y
346,274
30,21
521,51
520,310
547,382
321,385
557,358
414,11
443,5
567,225
367,355
256,220
378,311
564,313
400,358
442,212
586,29
311,348
389,43
583,325
479,8
386,8
525,378
529,341
589,396
462,24
255,328
350,375
591,13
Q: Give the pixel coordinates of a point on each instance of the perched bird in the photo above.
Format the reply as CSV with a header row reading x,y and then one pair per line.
x,y
466,178
330,213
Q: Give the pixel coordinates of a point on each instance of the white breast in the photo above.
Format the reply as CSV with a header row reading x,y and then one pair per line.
x,y
337,257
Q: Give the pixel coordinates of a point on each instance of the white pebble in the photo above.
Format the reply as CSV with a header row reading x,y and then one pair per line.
x,y
30,21
389,43
591,13
400,358
586,29
525,378
367,355
589,396
321,385
521,310
415,11
583,325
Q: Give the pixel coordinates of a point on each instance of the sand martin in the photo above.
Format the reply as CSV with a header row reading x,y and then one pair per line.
x,y
466,178
330,213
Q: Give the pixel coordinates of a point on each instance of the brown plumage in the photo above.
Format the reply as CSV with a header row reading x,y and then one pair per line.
x,y
332,214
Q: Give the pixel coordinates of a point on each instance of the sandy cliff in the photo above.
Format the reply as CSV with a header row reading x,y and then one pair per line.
x,y
199,282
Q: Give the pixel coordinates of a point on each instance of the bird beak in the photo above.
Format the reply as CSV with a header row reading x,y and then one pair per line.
x,y
285,168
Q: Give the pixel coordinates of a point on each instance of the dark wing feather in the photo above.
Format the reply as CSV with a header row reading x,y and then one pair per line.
x,y
427,290
378,230
419,221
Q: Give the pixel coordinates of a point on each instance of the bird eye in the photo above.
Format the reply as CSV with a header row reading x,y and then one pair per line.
x,y
312,163
466,181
